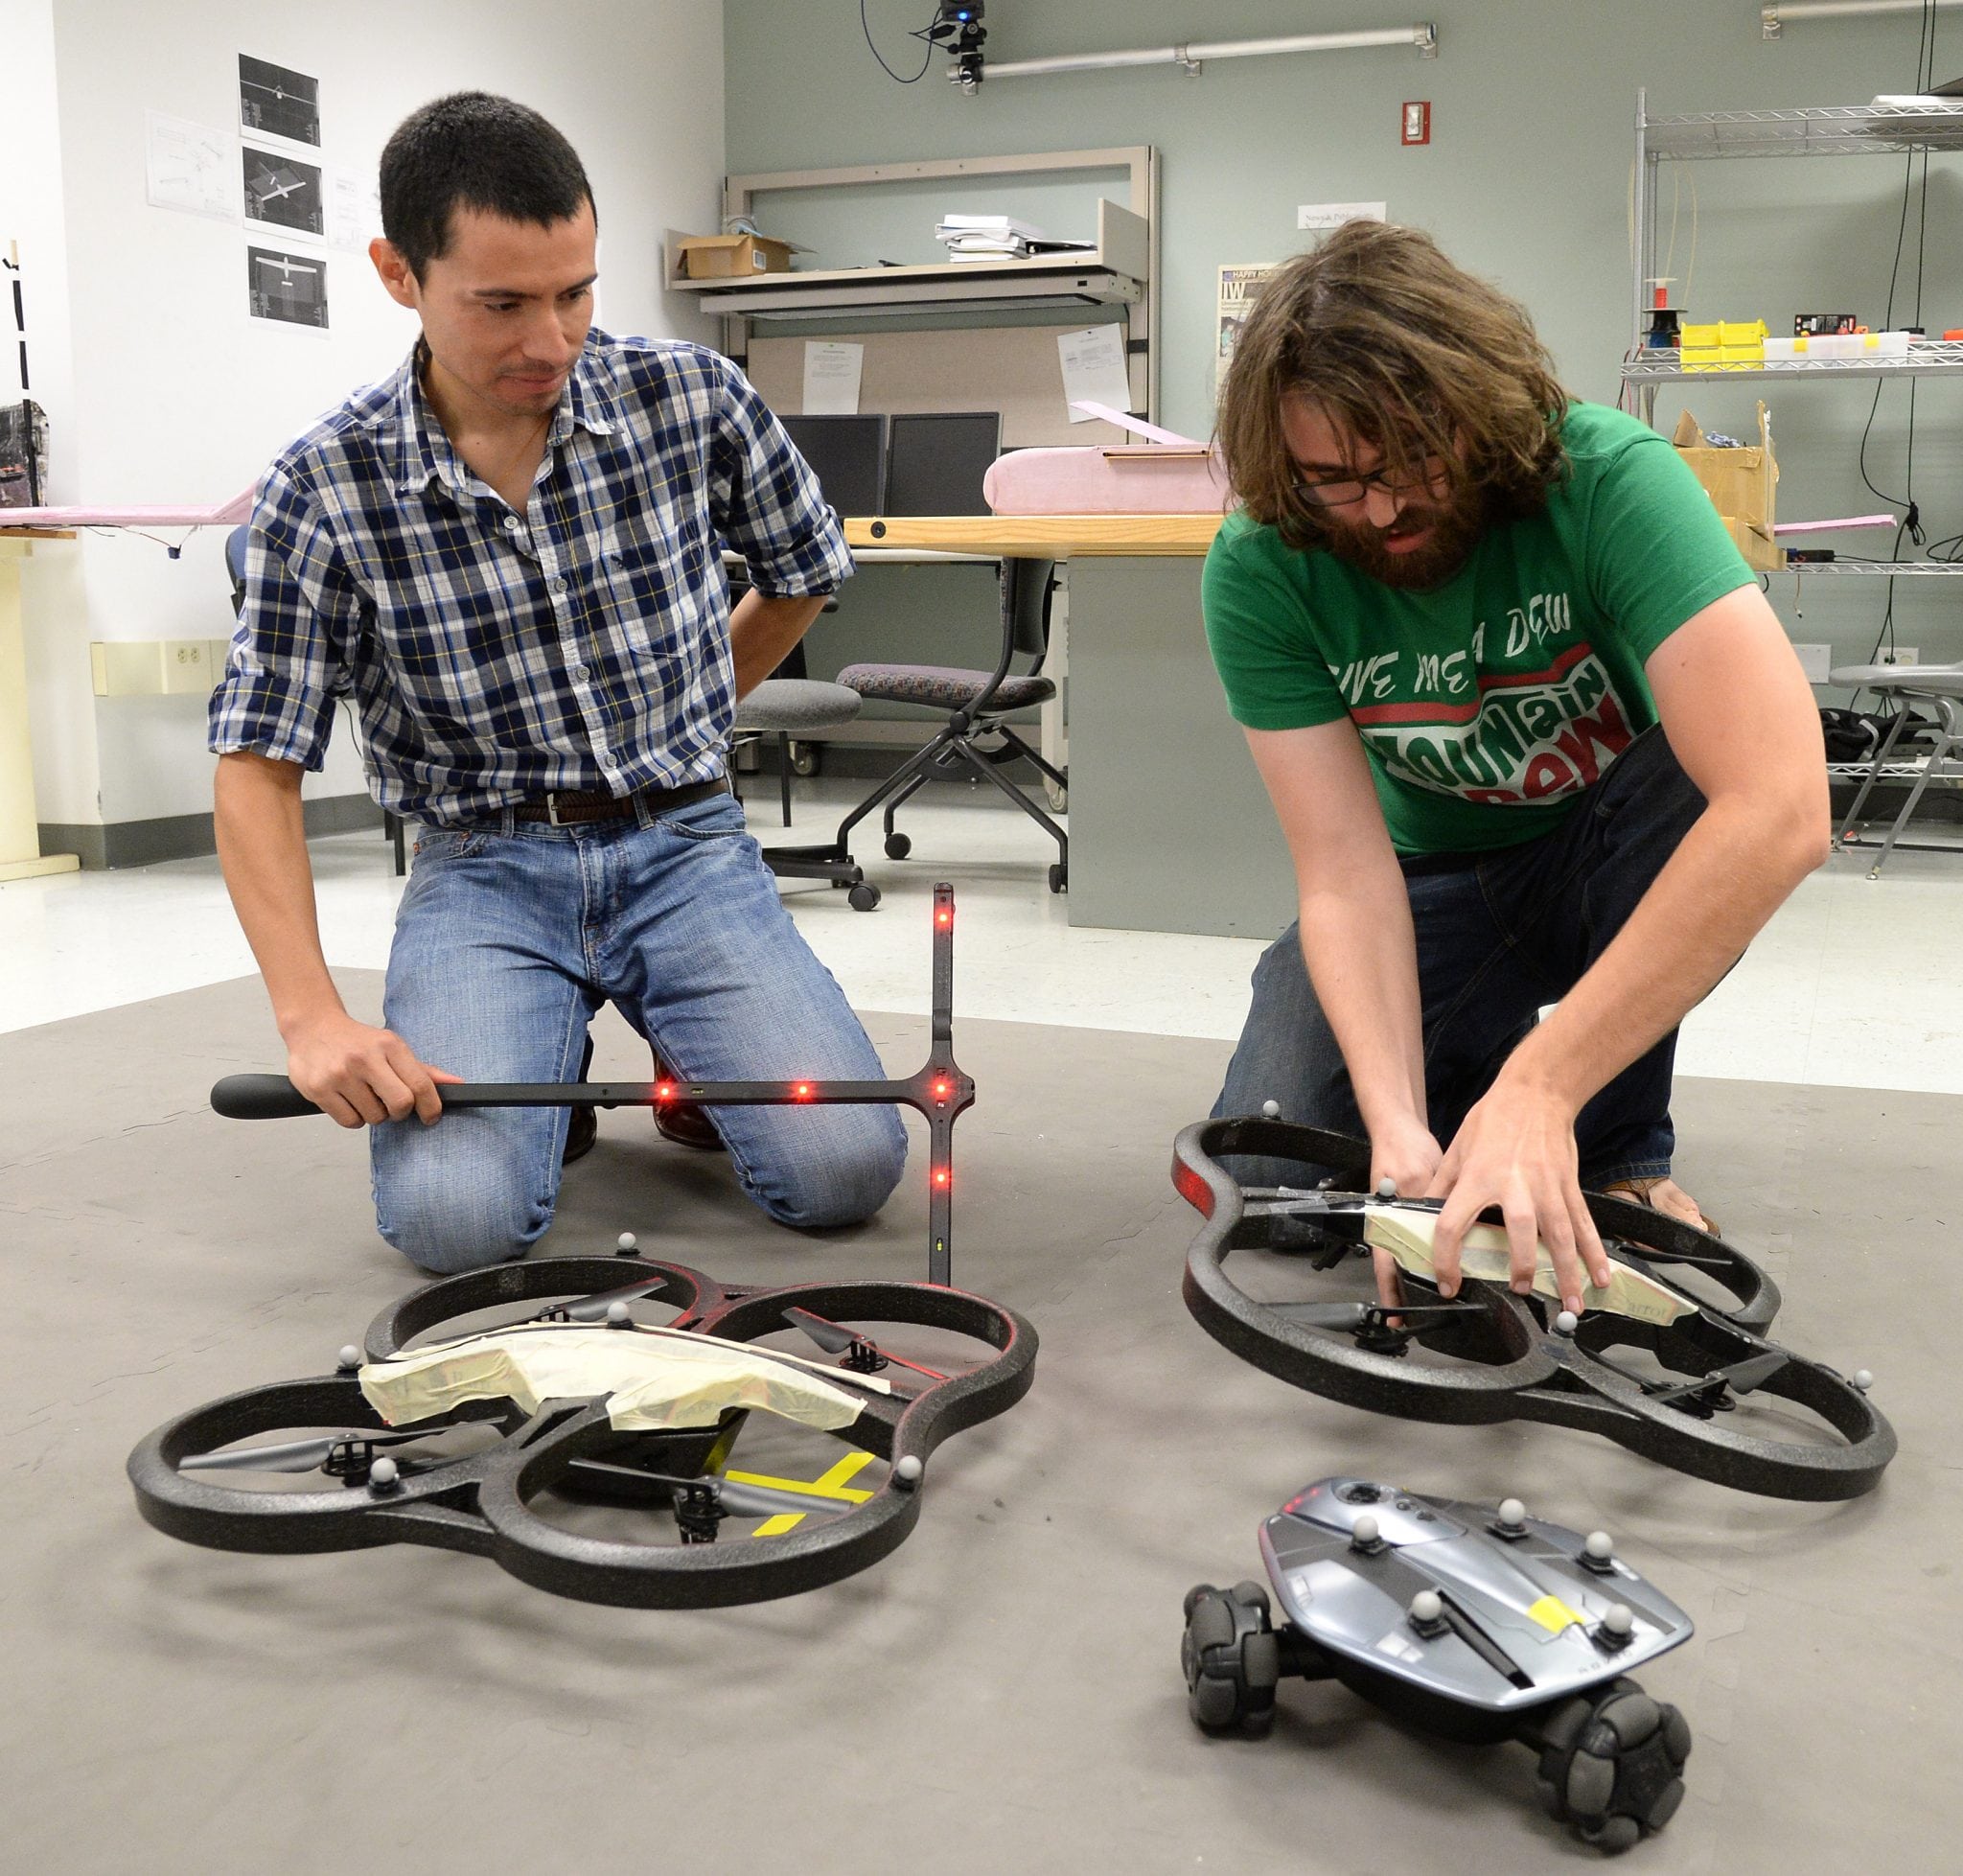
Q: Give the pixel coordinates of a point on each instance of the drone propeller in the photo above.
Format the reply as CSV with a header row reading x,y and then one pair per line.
x,y
594,1307
733,1499
298,1455
1740,1377
861,1353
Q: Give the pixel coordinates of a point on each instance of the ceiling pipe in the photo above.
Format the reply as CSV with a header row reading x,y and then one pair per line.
x,y
1772,18
1424,36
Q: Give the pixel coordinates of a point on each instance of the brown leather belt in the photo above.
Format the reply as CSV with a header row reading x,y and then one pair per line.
x,y
573,807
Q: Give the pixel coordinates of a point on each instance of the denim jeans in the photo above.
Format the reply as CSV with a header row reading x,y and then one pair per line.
x,y
506,943
1496,941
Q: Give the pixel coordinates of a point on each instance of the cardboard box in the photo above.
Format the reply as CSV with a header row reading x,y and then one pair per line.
x,y
721,256
1742,484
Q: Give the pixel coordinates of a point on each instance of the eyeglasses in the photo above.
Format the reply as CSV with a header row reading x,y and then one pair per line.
x,y
1349,490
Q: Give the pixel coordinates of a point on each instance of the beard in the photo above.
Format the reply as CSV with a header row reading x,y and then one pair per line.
x,y
1454,529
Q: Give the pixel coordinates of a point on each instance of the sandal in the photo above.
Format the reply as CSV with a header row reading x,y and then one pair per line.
x,y
1636,1192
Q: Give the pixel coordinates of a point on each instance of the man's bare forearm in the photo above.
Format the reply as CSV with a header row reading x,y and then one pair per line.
x,y
1362,958
263,849
762,632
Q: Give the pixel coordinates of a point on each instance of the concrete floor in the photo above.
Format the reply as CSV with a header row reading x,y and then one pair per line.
x,y
1001,1693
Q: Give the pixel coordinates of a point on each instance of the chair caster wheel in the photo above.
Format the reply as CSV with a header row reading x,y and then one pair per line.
x,y
805,759
865,896
1059,877
898,845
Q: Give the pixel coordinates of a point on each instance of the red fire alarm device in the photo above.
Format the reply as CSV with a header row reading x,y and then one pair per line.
x,y
1418,123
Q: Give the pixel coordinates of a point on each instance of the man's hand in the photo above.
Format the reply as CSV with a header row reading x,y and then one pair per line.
x,y
1408,1156
1516,1150
360,1074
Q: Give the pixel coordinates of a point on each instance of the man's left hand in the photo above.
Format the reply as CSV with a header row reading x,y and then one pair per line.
x,y
1516,1150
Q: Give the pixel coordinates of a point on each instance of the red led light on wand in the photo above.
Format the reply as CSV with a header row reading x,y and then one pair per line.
x,y
802,1090
940,1091
944,916
940,1175
664,1091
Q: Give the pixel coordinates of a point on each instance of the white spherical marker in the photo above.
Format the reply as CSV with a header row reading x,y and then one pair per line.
x,y
384,1474
1427,1608
349,1359
618,1315
1386,1187
1271,1110
906,1474
1620,1621
1366,1531
1513,1514
1566,1323
627,1241
1864,1380
1601,1546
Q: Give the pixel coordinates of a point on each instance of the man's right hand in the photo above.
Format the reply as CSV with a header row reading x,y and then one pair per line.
x,y
360,1074
1406,1155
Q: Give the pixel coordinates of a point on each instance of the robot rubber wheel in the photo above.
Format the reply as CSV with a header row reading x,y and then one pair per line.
x,y
1612,1764
1231,1658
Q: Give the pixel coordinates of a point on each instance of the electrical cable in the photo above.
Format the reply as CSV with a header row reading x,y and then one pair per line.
x,y
865,27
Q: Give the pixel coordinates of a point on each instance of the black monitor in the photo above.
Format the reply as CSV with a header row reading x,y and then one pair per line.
x,y
935,461
848,456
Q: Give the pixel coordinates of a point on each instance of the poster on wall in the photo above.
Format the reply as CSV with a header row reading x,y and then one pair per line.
x,y
282,192
189,167
1239,287
278,103
289,288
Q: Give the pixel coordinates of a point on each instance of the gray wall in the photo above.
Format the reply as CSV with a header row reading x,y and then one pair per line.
x,y
1526,181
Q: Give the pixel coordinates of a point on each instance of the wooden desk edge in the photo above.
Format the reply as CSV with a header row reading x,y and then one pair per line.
x,y
1055,537
35,533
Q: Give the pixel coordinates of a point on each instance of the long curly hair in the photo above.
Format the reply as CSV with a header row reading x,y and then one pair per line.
x,y
1418,358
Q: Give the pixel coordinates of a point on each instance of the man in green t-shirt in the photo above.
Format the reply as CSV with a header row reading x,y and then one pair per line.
x,y
1530,726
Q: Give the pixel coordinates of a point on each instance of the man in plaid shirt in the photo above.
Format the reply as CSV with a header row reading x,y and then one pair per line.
x,y
509,557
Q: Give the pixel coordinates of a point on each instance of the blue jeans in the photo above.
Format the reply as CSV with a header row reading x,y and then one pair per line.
x,y
1496,941
506,943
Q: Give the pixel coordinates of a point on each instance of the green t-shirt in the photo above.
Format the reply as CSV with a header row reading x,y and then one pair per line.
x,y
1488,705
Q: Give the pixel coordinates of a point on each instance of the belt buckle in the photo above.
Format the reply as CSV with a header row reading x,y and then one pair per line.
x,y
552,809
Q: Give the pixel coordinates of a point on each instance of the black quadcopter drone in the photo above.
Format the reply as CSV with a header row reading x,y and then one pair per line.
x,y
938,1090
482,1475
1664,1388
524,1414
1473,1621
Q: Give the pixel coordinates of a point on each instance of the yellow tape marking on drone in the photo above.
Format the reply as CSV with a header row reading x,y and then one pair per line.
x,y
832,1485
1554,1615
1405,1232
652,1379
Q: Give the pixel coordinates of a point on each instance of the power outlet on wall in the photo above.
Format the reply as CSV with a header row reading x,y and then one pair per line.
x,y
1902,655
1816,661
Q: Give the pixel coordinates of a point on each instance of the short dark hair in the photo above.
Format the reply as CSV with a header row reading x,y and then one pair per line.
x,y
471,149
1418,358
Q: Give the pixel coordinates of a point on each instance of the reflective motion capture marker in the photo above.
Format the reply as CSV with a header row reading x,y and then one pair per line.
x,y
349,1358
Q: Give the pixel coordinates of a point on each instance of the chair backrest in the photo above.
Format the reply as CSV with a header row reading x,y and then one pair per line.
x,y
1027,587
234,565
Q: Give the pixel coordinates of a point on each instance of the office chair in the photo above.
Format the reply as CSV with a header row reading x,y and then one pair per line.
x,y
1902,686
787,705
976,703
234,565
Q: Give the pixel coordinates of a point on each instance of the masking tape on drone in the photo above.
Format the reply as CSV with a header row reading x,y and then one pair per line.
x,y
653,1381
1484,1254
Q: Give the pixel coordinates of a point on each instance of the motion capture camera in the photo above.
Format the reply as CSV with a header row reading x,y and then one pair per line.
x,y
958,26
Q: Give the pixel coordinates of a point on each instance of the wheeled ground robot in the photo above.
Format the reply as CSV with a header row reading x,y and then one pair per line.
x,y
1476,1622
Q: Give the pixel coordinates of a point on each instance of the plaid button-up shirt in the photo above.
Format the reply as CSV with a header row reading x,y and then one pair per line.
x,y
494,656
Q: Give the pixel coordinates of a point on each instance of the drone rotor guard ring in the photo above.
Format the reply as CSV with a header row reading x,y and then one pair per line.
x,y
1694,1346
1321,1361
1565,1381
479,1503
890,1426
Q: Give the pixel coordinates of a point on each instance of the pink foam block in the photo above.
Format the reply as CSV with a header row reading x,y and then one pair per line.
x,y
225,514
1147,479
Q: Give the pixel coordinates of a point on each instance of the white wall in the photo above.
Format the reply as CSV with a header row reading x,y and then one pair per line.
x,y
175,394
